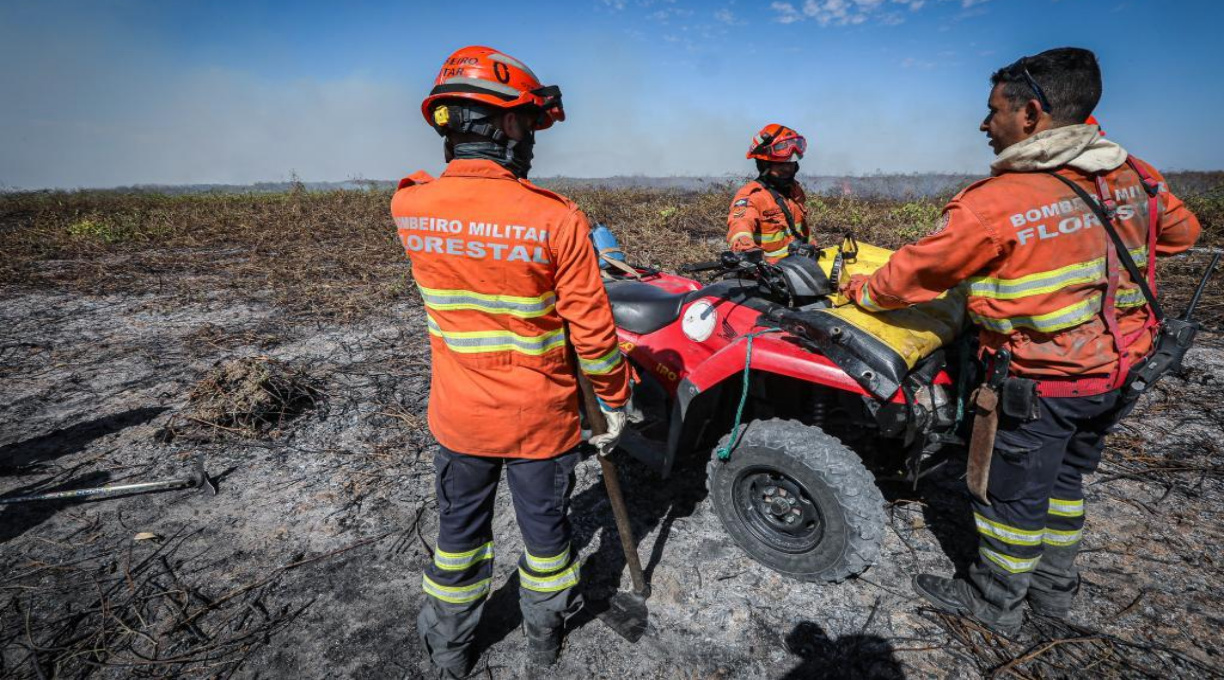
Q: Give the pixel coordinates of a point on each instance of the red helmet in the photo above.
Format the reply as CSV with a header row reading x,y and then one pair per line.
x,y
777,143
484,75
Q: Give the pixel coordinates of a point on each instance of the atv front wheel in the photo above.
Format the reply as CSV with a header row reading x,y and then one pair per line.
x,y
798,501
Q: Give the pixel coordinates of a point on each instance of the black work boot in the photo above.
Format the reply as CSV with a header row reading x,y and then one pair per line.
x,y
1055,583
955,596
446,634
543,645
1053,601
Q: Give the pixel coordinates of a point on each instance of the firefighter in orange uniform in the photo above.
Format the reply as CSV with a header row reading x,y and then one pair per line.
x,y
770,212
1047,289
509,281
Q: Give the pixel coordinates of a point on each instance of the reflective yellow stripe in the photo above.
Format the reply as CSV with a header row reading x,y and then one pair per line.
x,y
865,300
1039,283
475,342
456,594
1061,508
1057,320
547,565
774,237
1043,283
566,578
1063,538
448,561
780,252
604,364
1129,297
521,307
740,234
1007,534
1015,565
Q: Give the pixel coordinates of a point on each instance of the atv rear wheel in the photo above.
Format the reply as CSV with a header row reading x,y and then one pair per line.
x,y
798,501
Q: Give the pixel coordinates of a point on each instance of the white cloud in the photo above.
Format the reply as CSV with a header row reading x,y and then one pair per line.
x,y
726,16
787,14
852,12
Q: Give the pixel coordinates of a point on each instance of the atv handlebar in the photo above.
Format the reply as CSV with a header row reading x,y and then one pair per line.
x,y
702,267
727,261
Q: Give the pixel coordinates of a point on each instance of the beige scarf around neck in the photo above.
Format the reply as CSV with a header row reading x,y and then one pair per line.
x,y
1078,146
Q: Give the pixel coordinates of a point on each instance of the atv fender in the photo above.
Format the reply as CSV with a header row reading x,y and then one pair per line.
x,y
770,354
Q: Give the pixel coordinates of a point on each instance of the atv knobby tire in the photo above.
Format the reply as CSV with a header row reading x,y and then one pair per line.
x,y
843,509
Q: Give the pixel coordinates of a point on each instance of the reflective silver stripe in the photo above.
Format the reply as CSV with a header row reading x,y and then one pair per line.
x,y
566,578
483,84
1130,297
547,565
1007,534
1015,565
1037,284
519,306
778,252
1059,319
865,300
456,594
448,561
473,342
1046,282
507,59
1061,508
1063,538
602,365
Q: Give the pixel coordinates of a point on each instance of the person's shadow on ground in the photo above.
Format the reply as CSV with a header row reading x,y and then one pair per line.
x,y
869,657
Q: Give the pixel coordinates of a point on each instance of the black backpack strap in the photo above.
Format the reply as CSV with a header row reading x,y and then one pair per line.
x,y
790,219
1123,252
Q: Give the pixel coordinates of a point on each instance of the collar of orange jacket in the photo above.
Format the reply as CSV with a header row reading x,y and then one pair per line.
x,y
471,167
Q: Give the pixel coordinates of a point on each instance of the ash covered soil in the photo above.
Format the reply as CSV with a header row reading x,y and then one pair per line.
x,y
308,562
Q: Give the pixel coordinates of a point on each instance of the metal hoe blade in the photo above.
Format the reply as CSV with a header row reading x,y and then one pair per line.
x,y
627,615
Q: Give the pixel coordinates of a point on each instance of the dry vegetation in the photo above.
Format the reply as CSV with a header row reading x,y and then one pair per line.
x,y
334,253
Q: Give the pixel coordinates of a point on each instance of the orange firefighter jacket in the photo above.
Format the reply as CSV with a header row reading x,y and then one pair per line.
x,y
1037,264
757,222
508,277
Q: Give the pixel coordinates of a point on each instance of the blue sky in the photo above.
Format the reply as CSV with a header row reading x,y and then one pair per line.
x,y
112,92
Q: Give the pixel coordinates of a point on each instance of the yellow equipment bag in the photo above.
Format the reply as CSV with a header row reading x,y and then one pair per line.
x,y
879,349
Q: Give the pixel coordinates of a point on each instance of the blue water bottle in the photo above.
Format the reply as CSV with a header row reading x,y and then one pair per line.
x,y
606,245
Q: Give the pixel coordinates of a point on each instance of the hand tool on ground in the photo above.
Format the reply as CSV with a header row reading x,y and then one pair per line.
x,y
626,613
199,480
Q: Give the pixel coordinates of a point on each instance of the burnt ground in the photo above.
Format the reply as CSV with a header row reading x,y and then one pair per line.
x,y
307,564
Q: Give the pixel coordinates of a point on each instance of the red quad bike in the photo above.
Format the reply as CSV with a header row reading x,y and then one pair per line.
x,y
819,403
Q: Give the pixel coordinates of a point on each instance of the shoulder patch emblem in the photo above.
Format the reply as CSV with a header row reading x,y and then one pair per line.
x,y
739,213
742,202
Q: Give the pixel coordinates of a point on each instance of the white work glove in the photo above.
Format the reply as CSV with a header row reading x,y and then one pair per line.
x,y
606,442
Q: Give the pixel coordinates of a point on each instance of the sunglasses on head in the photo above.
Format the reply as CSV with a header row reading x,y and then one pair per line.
x,y
1032,83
